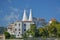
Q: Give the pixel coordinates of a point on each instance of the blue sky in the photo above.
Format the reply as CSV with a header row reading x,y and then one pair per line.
x,y
12,10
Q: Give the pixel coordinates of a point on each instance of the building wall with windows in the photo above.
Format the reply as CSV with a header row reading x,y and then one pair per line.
x,y
19,28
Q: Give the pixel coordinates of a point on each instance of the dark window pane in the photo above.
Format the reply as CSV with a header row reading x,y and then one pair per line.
x,y
19,32
24,24
19,29
19,24
18,35
24,29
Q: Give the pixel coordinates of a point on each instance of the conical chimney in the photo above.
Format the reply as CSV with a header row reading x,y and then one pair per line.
x,y
24,16
30,16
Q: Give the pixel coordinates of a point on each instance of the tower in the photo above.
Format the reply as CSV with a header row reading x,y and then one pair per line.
x,y
30,16
24,16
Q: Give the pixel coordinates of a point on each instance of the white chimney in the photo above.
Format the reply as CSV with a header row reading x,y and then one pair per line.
x,y
24,16
30,16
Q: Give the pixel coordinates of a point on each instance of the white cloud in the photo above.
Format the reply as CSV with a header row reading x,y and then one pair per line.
x,y
11,17
14,9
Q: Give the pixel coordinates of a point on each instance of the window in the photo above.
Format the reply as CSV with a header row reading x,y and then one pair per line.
x,y
18,35
24,29
19,24
24,24
19,29
19,32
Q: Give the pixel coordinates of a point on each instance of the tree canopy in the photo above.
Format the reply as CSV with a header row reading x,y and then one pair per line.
x,y
50,30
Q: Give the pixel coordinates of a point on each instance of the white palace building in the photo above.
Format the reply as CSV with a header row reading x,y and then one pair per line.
x,y
19,27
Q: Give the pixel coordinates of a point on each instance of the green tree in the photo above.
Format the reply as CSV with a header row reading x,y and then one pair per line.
x,y
7,35
28,32
58,30
53,28
12,36
52,31
33,30
43,32
40,32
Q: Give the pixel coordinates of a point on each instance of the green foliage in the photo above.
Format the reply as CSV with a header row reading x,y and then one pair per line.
x,y
12,36
58,30
33,30
28,32
24,35
50,30
43,32
7,35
